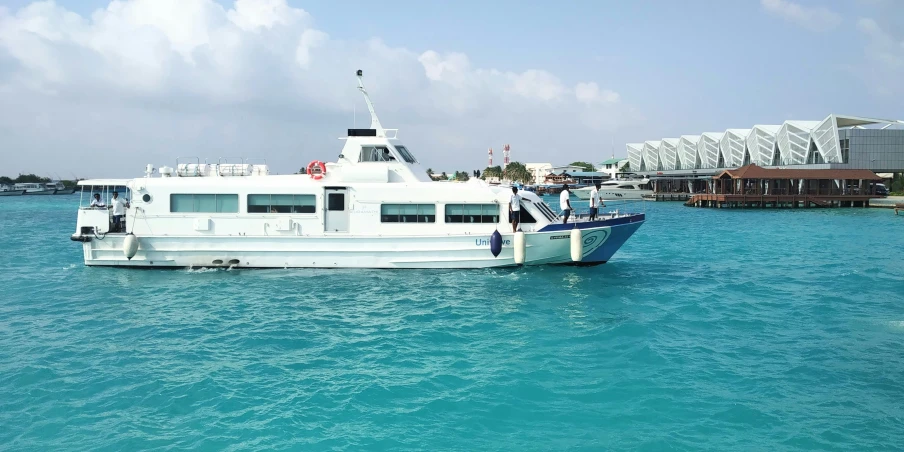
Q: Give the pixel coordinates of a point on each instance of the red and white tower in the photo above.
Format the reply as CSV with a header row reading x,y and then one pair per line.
x,y
490,153
506,150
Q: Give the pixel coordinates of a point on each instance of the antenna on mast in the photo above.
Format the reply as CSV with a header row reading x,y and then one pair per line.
x,y
374,120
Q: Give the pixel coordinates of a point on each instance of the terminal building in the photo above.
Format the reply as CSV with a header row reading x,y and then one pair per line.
x,y
836,142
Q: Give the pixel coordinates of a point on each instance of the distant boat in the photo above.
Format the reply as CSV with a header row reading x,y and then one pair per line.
x,y
59,188
34,188
6,190
616,190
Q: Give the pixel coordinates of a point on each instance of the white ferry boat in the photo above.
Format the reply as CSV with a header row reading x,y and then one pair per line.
x,y
59,188
375,207
34,189
618,190
6,190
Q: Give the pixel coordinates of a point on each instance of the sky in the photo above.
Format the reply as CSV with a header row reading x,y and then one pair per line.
x,y
99,88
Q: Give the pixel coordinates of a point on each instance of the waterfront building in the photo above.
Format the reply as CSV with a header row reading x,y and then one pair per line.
x,y
837,142
588,177
755,186
539,171
612,166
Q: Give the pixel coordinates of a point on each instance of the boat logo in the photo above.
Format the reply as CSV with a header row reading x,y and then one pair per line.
x,y
486,242
596,238
559,237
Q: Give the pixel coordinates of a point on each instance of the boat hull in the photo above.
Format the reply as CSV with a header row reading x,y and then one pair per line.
x,y
549,246
12,193
40,192
613,195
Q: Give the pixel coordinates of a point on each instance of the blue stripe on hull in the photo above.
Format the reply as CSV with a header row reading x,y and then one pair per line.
x,y
637,218
617,237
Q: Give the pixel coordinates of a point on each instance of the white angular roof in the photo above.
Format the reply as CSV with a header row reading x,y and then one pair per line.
x,y
795,141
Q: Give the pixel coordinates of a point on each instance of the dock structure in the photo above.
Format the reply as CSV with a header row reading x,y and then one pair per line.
x,y
752,186
668,197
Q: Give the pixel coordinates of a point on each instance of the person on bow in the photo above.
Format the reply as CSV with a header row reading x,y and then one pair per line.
x,y
515,209
565,203
595,202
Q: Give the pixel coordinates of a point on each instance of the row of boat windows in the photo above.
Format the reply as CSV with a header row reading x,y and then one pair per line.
x,y
389,213
455,213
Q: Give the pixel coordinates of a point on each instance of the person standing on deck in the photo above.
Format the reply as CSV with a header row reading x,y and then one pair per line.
x,y
119,207
595,203
565,203
515,209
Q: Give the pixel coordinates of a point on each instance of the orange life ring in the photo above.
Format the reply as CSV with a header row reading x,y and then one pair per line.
x,y
320,164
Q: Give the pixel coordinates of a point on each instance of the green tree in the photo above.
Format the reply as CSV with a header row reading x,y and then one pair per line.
x,y
6,180
586,165
626,168
492,171
897,184
31,179
430,172
517,172
444,176
462,176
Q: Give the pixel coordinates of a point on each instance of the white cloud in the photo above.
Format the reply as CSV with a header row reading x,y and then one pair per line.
x,y
812,18
161,78
590,93
884,56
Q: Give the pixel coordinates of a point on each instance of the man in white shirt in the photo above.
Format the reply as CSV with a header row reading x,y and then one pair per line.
x,y
595,203
515,209
97,202
119,207
565,203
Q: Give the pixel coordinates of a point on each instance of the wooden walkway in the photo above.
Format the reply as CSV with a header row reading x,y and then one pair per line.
x,y
668,197
778,201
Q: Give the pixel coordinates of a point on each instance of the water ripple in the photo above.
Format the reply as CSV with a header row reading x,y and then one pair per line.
x,y
710,330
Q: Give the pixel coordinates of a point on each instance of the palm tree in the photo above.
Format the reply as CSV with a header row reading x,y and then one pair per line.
x,y
517,172
430,172
492,171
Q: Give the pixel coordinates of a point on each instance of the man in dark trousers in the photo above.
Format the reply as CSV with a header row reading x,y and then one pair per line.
x,y
515,209
565,203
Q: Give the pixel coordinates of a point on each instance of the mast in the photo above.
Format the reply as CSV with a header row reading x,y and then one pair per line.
x,y
374,120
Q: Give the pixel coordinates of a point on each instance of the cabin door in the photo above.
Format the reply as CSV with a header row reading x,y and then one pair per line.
x,y
336,203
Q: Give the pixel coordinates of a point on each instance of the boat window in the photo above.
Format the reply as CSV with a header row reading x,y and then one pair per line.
x,y
627,187
406,154
105,192
335,201
282,203
376,154
408,213
546,211
180,203
472,213
526,217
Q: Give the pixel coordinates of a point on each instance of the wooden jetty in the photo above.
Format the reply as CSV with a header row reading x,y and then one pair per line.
x,y
668,197
752,186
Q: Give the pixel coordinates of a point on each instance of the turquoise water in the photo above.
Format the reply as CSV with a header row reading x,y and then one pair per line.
x,y
711,329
